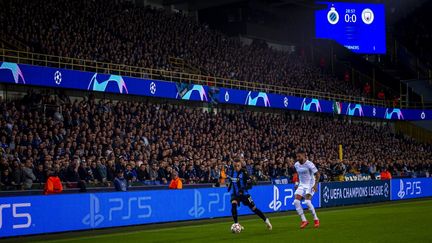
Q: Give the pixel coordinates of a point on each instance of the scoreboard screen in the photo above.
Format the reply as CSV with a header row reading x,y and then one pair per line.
x,y
359,27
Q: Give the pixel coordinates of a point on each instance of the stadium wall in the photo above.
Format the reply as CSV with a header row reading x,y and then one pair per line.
x,y
29,215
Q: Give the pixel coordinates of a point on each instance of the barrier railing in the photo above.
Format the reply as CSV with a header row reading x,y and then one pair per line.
x,y
22,57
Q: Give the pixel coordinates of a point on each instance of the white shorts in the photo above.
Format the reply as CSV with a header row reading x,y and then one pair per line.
x,y
303,190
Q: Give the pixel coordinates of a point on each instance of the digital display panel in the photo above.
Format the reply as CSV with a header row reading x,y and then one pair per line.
x,y
357,26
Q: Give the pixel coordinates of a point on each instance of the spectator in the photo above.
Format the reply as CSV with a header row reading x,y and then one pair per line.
x,y
17,175
53,184
40,174
385,174
102,171
143,174
367,89
130,174
6,181
176,182
120,183
381,95
28,175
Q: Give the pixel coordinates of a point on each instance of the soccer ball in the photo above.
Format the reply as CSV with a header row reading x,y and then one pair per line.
x,y
236,228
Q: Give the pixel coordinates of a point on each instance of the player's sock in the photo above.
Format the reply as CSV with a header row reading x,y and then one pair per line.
x,y
299,209
311,208
234,212
260,214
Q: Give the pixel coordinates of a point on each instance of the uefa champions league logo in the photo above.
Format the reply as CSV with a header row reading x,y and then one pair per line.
x,y
257,96
15,70
101,86
227,97
353,109
285,101
390,112
333,16
152,88
386,190
196,88
326,195
57,77
423,115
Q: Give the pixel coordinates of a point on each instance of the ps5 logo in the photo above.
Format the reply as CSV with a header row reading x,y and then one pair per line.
x,y
409,188
197,210
215,199
16,215
118,209
276,204
94,218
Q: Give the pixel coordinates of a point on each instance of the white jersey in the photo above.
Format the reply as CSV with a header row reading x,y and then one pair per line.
x,y
306,173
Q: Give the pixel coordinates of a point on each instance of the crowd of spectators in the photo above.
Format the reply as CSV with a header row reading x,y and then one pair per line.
x,y
89,141
140,36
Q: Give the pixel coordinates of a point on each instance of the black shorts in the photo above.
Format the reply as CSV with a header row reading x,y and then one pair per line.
x,y
245,199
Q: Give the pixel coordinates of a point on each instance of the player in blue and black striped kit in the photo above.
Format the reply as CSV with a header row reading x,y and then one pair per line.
x,y
240,183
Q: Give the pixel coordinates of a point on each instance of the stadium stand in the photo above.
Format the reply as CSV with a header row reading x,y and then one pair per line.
x,y
88,140
145,37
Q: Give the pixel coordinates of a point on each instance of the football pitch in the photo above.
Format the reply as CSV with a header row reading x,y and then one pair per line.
x,y
408,221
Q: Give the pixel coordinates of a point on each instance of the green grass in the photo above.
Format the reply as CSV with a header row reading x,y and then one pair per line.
x,y
391,222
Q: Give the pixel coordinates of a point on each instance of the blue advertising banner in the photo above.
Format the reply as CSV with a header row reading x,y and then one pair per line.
x,y
354,192
25,215
411,188
262,99
71,79
352,109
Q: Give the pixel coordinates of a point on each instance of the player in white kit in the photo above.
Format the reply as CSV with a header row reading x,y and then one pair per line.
x,y
308,176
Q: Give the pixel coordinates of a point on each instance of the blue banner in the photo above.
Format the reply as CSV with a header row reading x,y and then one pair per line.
x,y
352,109
71,79
25,215
262,99
354,192
411,188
